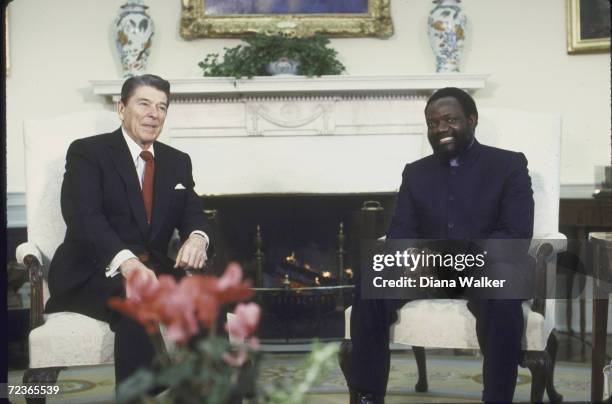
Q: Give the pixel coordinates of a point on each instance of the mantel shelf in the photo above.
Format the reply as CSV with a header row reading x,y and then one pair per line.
x,y
215,87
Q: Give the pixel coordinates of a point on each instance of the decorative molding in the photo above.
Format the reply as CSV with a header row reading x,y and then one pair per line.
x,y
290,115
191,90
263,112
16,210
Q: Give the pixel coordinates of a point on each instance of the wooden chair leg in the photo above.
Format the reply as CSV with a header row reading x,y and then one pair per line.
x,y
419,355
551,348
344,360
40,376
539,364
569,301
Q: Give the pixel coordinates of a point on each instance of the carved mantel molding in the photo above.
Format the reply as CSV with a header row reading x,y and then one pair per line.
x,y
205,88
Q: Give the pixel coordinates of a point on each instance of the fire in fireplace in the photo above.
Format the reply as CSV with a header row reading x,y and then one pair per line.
x,y
296,235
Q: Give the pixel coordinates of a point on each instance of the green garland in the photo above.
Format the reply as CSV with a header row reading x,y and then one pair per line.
x,y
315,58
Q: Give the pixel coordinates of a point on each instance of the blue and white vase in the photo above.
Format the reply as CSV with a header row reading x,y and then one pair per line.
x,y
283,67
446,30
133,30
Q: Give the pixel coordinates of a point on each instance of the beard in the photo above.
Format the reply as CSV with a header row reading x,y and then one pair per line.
x,y
452,148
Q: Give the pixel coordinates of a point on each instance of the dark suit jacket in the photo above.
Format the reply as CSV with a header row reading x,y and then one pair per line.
x,y
104,212
486,198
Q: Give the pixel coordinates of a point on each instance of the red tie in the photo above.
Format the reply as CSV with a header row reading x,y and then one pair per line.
x,y
147,183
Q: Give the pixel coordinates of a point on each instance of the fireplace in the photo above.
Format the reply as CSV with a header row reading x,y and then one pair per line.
x,y
299,235
299,251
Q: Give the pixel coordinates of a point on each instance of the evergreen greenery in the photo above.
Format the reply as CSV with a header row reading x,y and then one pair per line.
x,y
315,58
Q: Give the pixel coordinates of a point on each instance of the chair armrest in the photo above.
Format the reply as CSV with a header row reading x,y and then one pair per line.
x,y
557,241
30,256
543,249
25,249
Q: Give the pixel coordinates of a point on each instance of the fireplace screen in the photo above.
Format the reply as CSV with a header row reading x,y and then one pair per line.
x,y
300,252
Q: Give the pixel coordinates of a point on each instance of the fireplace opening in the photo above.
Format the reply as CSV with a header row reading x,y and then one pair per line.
x,y
300,252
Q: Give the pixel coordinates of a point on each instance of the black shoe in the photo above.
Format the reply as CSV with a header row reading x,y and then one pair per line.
x,y
369,398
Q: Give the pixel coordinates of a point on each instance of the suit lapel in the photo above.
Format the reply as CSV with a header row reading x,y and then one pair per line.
x,y
162,187
122,159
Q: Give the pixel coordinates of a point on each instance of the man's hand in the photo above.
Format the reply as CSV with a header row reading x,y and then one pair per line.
x,y
133,264
192,253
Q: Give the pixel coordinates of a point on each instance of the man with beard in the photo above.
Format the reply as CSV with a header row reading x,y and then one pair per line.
x,y
464,192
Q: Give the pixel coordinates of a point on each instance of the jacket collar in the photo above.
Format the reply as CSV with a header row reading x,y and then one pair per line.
x,y
163,186
467,157
122,159
134,148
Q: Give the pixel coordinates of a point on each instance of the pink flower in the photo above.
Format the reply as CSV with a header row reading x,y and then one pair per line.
x,y
200,290
142,291
182,307
230,287
139,284
245,321
231,277
177,313
132,308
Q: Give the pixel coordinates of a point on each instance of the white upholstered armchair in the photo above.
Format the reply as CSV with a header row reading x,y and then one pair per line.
x,y
425,323
62,339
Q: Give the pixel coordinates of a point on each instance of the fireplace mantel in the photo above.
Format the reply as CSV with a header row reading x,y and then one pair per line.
x,y
299,135
215,87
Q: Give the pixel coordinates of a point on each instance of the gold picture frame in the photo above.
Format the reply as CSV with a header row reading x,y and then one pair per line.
x,y
197,23
588,26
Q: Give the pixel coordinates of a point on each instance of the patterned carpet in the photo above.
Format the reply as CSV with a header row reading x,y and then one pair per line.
x,y
451,379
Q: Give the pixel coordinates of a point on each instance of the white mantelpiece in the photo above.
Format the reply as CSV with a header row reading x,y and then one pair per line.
x,y
288,85
334,134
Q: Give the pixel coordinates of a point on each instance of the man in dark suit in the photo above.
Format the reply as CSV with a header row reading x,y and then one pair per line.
x,y
123,195
465,193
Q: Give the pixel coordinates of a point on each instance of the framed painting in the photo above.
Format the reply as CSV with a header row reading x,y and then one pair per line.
x,y
588,26
237,18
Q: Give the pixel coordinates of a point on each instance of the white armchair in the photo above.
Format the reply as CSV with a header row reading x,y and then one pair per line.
x,y
62,339
425,323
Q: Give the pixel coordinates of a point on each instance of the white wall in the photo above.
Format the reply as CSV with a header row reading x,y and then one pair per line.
x,y
57,46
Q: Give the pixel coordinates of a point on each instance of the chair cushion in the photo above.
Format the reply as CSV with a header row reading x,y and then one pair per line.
x,y
449,324
71,339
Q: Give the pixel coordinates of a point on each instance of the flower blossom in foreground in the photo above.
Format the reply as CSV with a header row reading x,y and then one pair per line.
x,y
143,291
240,326
245,320
182,306
230,288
